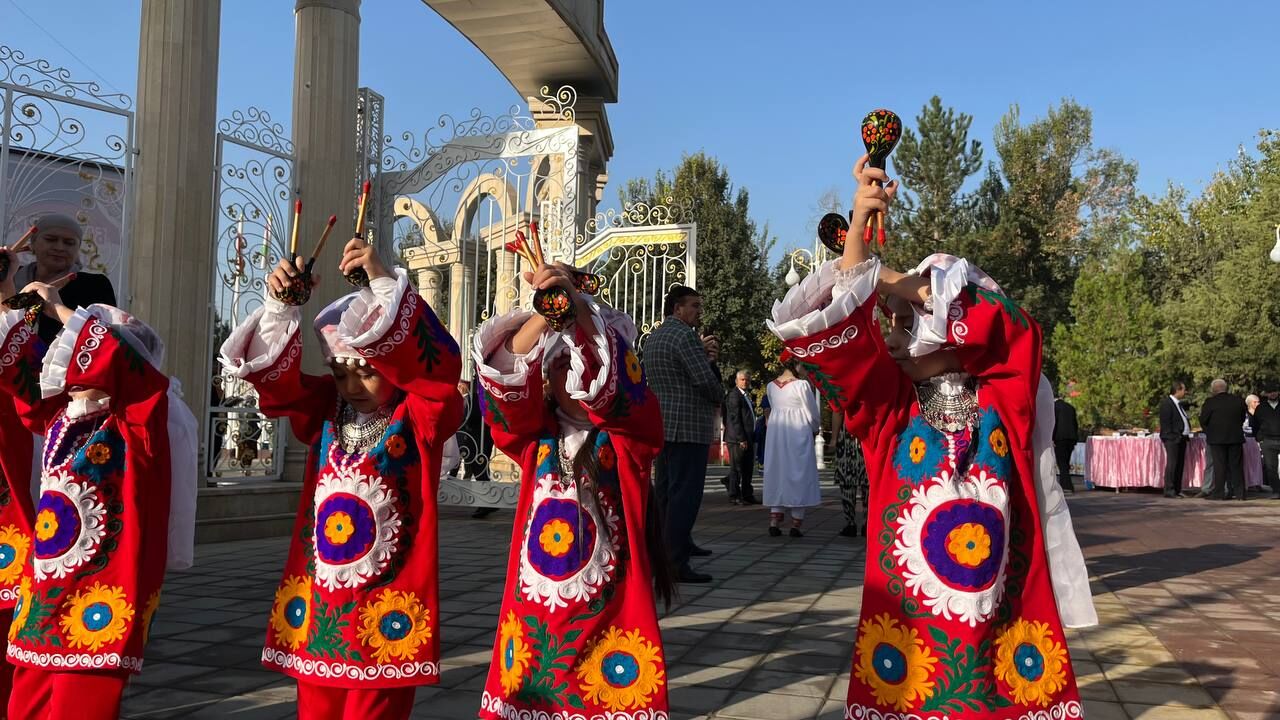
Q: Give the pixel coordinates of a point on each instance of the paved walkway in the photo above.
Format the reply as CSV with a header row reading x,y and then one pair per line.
x,y
1187,591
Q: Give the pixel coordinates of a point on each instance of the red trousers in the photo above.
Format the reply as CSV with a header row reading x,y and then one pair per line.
x,y
46,695
317,702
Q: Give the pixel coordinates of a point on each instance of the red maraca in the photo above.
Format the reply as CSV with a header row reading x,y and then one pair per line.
x,y
881,131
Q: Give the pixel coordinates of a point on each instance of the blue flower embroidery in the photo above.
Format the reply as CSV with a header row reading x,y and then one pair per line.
x,y
101,457
396,451
547,457
921,449
994,450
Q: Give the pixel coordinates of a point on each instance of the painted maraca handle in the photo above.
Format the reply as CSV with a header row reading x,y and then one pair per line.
x,y
588,283
358,277
23,301
832,231
881,131
5,262
299,291
555,305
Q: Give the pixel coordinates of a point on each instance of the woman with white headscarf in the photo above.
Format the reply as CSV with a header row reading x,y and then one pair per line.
x,y
56,248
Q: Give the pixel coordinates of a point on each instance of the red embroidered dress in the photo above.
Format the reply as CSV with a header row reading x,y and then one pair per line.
x,y
16,511
958,613
358,605
101,525
578,632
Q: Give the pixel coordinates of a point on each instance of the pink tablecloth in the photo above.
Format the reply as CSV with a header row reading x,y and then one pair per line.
x,y
1125,462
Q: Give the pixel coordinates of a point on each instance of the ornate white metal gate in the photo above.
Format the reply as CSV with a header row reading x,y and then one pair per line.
x,y
642,251
251,225
67,146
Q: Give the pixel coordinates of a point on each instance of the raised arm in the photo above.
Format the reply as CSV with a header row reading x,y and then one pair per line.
x,y
393,328
20,372
606,376
507,351
265,350
100,348
827,322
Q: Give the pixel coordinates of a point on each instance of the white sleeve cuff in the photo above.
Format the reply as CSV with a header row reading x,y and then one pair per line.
x,y
577,361
53,377
260,340
824,299
929,331
386,293
497,364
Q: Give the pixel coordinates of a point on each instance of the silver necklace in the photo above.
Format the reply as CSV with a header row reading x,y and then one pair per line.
x,y
949,402
567,473
359,437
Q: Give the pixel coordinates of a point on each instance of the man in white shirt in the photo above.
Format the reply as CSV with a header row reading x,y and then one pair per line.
x,y
1175,430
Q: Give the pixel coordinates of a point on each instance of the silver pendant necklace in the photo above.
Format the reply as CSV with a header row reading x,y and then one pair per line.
x,y
358,437
949,402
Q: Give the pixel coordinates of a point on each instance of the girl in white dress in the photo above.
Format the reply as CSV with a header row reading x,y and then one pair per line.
x,y
791,467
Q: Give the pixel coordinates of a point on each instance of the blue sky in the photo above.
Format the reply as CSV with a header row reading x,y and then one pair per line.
x,y
774,89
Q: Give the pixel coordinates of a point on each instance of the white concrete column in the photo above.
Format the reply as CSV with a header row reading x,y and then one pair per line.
x,y
429,281
326,65
462,279
170,282
325,75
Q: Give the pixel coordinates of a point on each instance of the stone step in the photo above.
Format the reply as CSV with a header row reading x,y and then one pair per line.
x,y
249,527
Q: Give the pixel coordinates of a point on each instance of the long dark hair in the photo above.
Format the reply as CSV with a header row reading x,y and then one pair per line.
x,y
587,470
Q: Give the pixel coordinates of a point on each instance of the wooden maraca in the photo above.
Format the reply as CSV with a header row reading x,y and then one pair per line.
x,y
299,290
31,302
358,276
833,228
881,131
14,249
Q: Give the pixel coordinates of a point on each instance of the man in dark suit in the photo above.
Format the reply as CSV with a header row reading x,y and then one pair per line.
x,y
1066,433
1222,417
1175,430
739,435
1266,428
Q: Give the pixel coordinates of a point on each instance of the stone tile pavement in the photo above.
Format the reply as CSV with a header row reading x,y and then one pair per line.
x,y
1187,591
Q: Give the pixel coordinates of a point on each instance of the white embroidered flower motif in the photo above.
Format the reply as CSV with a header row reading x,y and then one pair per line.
x,y
355,530
953,546
569,551
70,525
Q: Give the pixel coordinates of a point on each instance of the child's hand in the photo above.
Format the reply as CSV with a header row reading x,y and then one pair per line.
x,y
869,197
360,254
287,273
48,292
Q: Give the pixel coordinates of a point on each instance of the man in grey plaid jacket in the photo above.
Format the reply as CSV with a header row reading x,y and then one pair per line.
x,y
681,370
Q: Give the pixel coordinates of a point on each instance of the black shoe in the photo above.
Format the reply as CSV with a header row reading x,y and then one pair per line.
x,y
751,501
689,575
1204,496
795,532
774,532
735,501
699,552
484,512
849,531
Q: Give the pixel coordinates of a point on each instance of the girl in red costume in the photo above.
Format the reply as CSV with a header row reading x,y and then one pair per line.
x,y
972,568
116,508
356,616
578,630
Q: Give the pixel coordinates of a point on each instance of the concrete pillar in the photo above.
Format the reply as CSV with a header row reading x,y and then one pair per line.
x,y
326,65
462,280
506,291
429,281
325,74
169,279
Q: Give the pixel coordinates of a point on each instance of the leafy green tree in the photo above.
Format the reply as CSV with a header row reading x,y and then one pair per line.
x,y
732,260
1111,352
932,166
